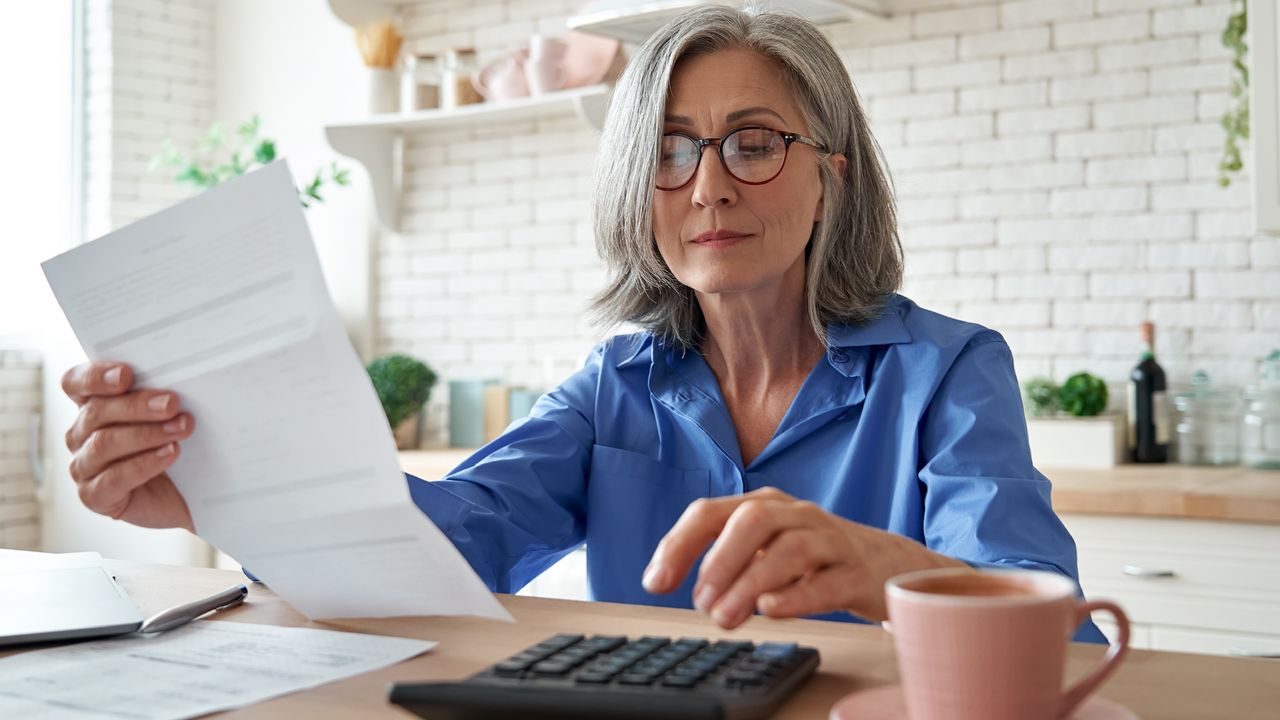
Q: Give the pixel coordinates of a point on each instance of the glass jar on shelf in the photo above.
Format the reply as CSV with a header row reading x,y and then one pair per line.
x,y
456,88
420,83
1260,424
1207,430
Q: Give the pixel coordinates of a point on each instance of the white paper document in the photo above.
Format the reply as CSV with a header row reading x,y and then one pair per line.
x,y
292,469
193,670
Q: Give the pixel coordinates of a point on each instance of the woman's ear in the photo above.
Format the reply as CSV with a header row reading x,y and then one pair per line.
x,y
838,164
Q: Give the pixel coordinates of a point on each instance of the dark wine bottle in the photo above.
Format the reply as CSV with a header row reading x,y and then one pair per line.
x,y
1148,406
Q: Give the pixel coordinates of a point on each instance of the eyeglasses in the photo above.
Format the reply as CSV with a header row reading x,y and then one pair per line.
x,y
751,155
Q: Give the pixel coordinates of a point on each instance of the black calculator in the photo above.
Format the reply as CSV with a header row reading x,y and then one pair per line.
x,y
610,676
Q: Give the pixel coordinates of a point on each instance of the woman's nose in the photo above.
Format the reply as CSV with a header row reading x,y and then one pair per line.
x,y
712,184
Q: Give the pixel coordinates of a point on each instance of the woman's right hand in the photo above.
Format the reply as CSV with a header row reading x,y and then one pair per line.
x,y
122,442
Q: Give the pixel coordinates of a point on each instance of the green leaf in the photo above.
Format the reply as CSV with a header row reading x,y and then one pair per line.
x,y
213,138
194,175
266,152
249,129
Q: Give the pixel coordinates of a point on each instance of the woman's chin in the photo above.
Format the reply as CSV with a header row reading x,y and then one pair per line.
x,y
726,284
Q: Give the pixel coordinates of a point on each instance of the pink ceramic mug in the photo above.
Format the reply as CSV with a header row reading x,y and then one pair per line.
x,y
992,644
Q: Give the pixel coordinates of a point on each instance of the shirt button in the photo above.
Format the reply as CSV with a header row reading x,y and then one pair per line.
x,y
682,397
839,357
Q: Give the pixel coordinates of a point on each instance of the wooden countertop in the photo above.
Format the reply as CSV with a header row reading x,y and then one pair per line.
x,y
1163,685
1169,490
1177,491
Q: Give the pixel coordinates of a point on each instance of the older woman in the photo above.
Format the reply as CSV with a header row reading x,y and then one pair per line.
x,y
784,416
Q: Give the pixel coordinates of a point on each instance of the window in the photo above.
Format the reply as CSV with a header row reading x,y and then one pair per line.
x,y
37,215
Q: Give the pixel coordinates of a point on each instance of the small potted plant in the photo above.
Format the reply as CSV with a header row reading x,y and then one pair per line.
x,y
403,385
1067,425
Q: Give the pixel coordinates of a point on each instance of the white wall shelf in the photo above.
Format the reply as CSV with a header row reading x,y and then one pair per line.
x,y
360,12
376,142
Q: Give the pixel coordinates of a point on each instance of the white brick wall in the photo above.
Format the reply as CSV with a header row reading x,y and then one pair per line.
x,y
19,404
1055,162
149,76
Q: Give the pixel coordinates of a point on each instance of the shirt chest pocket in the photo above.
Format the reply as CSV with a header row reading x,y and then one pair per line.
x,y
633,500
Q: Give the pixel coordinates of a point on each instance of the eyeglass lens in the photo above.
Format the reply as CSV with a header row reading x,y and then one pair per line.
x,y
751,155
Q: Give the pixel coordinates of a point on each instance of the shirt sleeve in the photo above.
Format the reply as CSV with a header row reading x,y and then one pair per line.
x,y
984,501
518,504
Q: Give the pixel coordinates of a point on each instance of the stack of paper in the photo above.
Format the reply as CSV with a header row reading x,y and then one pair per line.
x,y
194,670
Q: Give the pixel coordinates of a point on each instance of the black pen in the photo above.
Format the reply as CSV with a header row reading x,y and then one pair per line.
x,y
183,614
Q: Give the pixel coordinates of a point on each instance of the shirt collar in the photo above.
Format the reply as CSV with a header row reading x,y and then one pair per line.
x,y
886,328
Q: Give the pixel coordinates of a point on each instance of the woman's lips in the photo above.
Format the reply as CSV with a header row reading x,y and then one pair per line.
x,y
719,238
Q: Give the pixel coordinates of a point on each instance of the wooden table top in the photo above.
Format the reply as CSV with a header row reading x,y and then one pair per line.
x,y
1168,490
1155,685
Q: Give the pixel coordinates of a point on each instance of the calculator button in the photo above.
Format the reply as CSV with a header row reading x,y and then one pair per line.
x,y
558,642
774,649
551,668
743,678
509,668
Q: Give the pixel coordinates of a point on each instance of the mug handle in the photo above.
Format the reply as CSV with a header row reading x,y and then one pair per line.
x,y
1082,689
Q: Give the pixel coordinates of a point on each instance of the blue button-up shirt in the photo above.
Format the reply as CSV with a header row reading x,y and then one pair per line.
x,y
912,423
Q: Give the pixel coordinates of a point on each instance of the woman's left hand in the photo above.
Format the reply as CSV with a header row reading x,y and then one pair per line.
x,y
782,556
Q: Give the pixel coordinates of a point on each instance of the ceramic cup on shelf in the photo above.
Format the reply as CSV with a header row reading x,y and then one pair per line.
x,y
502,79
988,645
544,69
384,90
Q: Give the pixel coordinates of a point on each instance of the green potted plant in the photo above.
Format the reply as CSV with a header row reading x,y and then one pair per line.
x,y
219,160
403,384
1040,396
1067,425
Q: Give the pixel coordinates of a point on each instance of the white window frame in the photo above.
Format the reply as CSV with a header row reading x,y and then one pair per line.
x,y
1264,108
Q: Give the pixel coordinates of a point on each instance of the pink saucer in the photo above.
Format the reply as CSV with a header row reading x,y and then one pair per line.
x,y
887,703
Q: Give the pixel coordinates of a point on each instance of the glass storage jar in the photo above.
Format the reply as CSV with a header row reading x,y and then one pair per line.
x,y
1260,424
1208,427
456,88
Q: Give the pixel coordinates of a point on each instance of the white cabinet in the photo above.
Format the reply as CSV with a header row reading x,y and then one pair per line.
x,y
1187,585
1264,81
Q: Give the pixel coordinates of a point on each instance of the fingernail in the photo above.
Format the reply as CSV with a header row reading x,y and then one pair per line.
x,y
704,597
112,376
165,451
176,425
654,577
160,403
726,613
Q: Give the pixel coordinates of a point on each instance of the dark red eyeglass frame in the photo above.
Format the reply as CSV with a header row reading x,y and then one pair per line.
x,y
787,138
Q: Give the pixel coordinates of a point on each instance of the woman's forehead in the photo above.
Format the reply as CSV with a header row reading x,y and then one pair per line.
x,y
723,86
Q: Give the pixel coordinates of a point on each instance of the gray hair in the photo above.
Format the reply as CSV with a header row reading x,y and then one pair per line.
x,y
854,257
